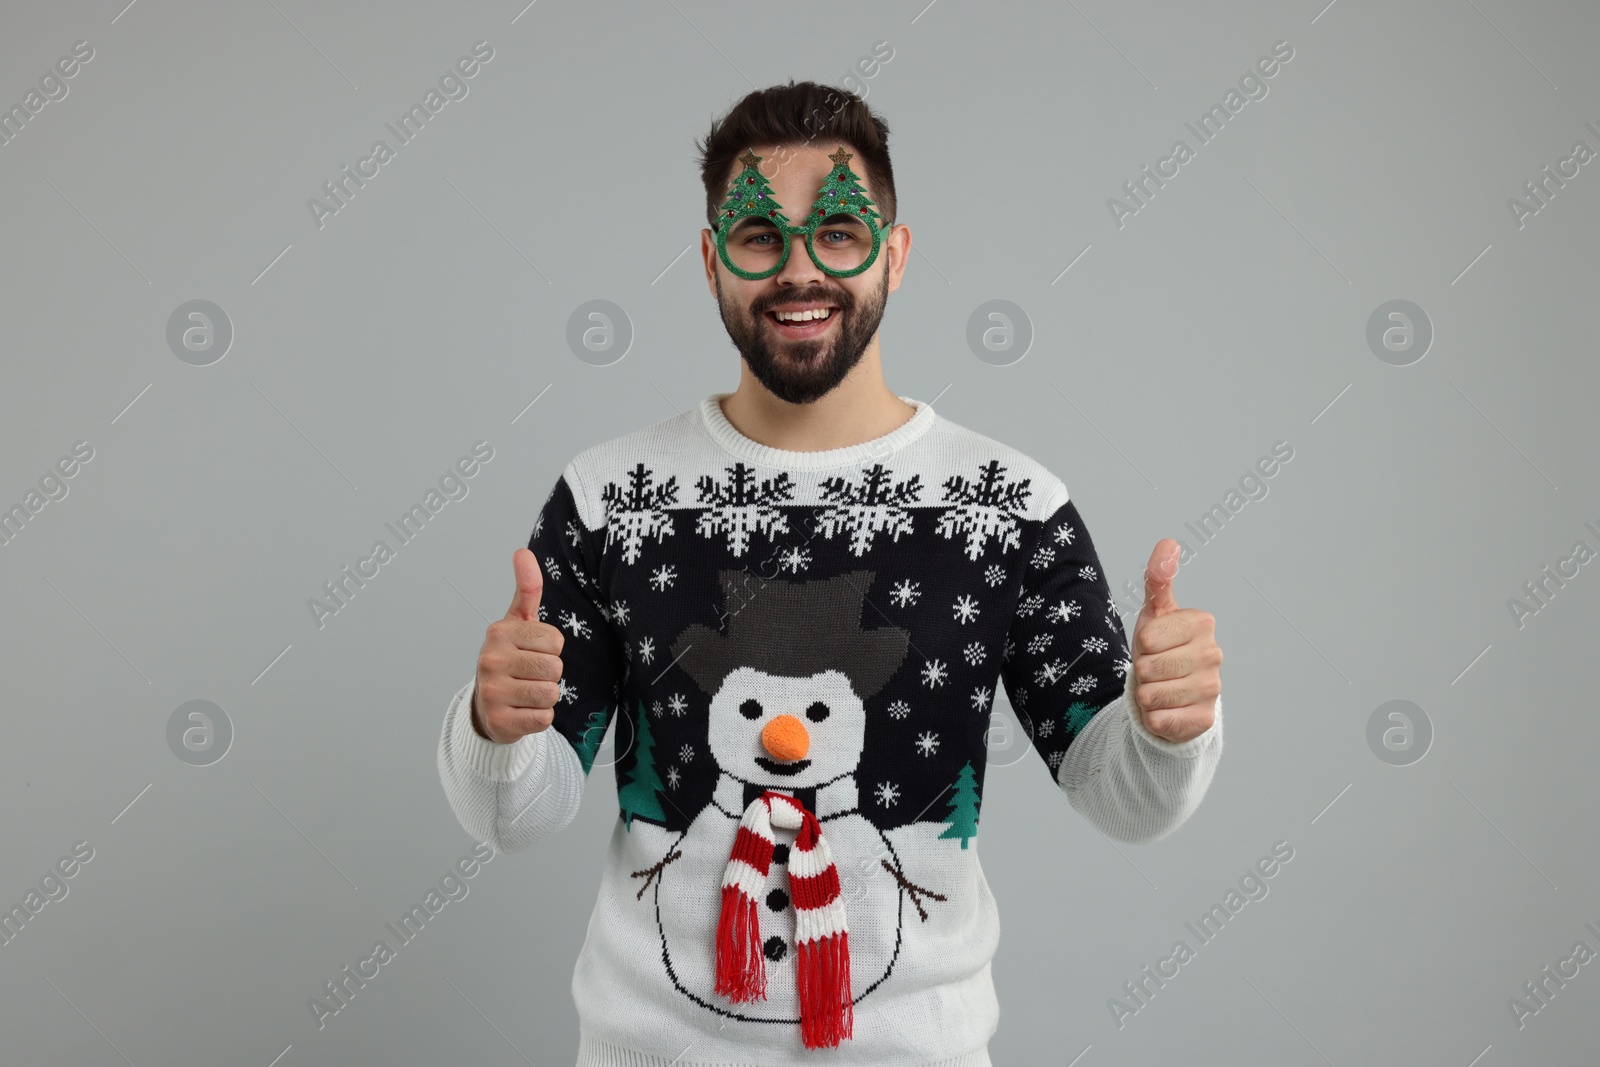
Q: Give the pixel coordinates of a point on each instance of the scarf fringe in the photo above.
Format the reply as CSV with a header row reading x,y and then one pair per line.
x,y
741,963
826,1013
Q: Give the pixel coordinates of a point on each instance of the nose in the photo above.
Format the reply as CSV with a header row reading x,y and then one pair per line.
x,y
799,270
786,738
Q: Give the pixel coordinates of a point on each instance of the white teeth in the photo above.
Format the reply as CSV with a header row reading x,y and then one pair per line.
x,y
802,316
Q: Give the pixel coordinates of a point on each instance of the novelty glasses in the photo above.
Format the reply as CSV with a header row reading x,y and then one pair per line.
x,y
843,230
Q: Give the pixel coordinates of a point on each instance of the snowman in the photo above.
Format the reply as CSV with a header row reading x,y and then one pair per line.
x,y
788,677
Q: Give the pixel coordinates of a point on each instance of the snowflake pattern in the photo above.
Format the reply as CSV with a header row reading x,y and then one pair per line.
x,y
572,626
1043,557
1030,604
663,577
994,574
647,650
740,506
552,569
986,509
678,705
639,511
673,777
980,698
933,673
887,793
1095,644
927,742
569,692
1050,673
899,709
1064,534
1047,728
655,708
863,509
686,753
1088,574
1036,644
974,653
1055,758
965,608
619,613
905,592
794,559
1064,611
1081,684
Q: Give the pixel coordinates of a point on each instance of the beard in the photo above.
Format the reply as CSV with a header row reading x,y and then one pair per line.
x,y
802,371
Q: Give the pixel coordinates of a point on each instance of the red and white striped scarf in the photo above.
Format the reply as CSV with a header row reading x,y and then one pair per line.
x,y
821,937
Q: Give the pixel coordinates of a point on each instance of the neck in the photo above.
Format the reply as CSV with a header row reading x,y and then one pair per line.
x,y
860,408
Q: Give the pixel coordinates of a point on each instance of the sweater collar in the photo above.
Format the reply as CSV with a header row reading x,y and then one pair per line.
x,y
834,798
721,431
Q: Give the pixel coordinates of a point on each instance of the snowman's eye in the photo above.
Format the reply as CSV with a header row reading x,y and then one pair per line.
x,y
817,711
751,708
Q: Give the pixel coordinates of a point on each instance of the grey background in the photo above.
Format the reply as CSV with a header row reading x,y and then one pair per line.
x,y
368,355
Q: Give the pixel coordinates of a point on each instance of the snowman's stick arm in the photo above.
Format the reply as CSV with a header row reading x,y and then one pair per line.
x,y
649,873
912,888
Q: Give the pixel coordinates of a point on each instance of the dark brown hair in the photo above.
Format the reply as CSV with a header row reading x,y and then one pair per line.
x,y
798,114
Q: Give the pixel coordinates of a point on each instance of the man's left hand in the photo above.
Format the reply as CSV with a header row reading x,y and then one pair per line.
x,y
1175,656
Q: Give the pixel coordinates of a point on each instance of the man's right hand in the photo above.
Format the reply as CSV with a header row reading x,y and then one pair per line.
x,y
519,664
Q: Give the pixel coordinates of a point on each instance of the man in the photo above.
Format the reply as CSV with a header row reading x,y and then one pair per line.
x,y
797,601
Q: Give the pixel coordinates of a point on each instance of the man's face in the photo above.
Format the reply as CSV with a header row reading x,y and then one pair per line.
x,y
803,362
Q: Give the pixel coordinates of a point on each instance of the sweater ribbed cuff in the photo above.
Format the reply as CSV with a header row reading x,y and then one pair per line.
x,y
496,762
1182,749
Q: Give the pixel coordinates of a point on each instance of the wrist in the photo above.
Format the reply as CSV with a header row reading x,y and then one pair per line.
x,y
477,725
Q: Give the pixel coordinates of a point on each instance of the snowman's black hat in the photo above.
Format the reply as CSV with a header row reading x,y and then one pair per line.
x,y
795,629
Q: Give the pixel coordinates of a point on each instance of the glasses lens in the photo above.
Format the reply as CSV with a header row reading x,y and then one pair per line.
x,y
842,242
755,245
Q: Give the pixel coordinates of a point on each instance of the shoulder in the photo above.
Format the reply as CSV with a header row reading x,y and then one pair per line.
x,y
958,452
642,459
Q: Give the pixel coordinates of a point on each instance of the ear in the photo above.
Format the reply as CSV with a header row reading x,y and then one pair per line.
x,y
708,252
897,246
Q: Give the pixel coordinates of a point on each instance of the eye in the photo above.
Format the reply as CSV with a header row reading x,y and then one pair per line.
x,y
751,708
817,711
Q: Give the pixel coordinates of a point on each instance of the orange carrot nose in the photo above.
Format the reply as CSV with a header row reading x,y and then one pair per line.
x,y
786,738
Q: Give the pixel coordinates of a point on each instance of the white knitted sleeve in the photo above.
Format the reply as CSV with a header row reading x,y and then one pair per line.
x,y
508,795
1131,784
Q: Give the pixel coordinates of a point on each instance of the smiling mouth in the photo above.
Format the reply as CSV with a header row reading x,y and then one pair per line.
x,y
809,328
786,769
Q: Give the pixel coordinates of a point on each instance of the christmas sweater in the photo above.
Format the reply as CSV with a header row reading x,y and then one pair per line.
x,y
798,654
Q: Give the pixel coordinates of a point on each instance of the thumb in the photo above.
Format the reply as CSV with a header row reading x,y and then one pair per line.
x,y
1158,575
530,586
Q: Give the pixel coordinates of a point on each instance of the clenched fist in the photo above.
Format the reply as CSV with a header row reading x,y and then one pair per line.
x,y
519,664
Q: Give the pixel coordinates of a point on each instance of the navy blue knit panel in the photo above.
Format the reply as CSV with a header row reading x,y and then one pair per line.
x,y
1067,654
592,658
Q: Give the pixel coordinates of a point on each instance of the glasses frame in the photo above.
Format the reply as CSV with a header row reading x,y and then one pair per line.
x,y
816,217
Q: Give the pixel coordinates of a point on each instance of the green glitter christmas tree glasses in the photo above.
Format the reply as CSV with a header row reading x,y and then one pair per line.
x,y
843,230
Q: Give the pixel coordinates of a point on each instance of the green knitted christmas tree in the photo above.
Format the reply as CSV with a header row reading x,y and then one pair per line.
x,y
638,797
589,741
963,813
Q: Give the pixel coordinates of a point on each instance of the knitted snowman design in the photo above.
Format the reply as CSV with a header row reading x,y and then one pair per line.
x,y
810,897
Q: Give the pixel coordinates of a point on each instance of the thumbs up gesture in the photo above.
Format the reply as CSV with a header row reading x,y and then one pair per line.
x,y
519,666
1175,656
